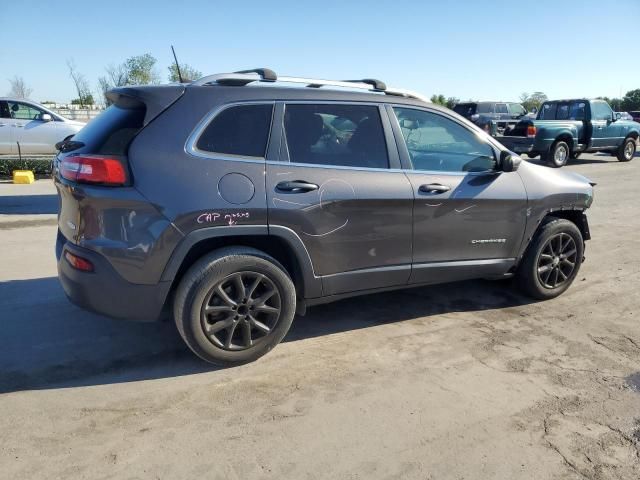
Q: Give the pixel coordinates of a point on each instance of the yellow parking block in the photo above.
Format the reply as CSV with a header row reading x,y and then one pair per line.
x,y
23,176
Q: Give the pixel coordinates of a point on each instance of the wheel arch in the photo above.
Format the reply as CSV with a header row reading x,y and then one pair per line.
x,y
280,243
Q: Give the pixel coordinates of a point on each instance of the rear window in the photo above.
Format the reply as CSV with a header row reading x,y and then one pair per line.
x,y
465,109
111,132
241,130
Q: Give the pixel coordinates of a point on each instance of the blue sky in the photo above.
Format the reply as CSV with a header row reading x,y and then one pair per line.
x,y
467,49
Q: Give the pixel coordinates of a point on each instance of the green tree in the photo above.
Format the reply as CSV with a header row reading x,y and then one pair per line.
x,y
533,101
188,73
141,70
85,100
439,100
452,102
136,70
631,100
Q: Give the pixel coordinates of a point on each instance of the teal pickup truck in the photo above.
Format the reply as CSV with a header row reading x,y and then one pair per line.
x,y
564,129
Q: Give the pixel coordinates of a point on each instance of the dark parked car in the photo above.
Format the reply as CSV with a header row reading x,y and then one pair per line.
x,y
564,129
234,206
493,117
635,115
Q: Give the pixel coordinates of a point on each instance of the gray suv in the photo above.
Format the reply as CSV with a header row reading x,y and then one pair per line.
x,y
238,200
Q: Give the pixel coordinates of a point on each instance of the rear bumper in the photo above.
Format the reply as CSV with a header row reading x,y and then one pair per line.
x,y
104,291
518,144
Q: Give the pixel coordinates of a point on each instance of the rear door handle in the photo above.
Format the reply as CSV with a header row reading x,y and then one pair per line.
x,y
296,186
434,188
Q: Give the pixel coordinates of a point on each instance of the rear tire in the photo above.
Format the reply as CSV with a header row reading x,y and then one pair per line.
x,y
552,260
532,154
234,305
558,154
576,155
627,150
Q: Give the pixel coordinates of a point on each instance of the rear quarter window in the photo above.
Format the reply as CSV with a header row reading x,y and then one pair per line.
x,y
241,130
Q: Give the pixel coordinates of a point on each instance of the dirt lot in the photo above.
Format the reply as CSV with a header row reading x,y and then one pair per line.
x,y
465,381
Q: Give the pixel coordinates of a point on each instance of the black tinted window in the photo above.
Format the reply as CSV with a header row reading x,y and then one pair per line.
x,y
345,135
240,130
465,109
547,111
485,108
501,108
111,132
436,143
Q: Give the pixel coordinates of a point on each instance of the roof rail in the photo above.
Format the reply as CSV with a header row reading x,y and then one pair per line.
x,y
245,77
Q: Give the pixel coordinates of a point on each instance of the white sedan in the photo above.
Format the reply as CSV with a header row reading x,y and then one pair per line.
x,y
33,126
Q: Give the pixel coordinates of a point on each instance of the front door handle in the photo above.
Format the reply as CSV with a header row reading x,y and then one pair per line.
x,y
18,125
296,186
434,188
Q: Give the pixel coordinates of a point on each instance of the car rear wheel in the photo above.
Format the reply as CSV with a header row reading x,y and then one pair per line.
x,y
558,154
552,260
627,150
576,155
234,305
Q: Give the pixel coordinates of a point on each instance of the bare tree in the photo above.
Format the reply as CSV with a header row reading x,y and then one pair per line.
x,y
81,84
19,88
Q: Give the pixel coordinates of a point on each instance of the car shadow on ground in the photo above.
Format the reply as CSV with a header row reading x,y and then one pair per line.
x,y
28,204
49,343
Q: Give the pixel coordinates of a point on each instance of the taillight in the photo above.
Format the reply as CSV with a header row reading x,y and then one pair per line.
x,y
531,131
77,262
93,169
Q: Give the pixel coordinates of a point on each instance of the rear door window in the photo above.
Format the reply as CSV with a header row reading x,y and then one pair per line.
x,y
340,135
485,108
241,130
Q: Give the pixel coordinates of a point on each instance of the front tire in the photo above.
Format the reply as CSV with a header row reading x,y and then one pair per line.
x,y
234,305
627,150
552,261
558,154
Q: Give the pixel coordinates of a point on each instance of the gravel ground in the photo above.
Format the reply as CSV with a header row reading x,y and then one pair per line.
x,y
464,381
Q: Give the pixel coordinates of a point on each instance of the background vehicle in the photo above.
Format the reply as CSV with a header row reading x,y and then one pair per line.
x,y
494,117
263,201
565,128
635,115
35,127
624,116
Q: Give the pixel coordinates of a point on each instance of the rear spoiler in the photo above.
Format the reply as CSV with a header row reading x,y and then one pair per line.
x,y
156,98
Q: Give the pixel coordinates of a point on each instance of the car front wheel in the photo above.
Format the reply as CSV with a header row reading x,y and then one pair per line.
x,y
627,150
234,305
552,260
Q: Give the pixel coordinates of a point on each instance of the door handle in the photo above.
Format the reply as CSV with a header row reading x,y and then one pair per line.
x,y
434,188
18,125
296,186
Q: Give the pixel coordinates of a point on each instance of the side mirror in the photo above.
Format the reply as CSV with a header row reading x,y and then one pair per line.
x,y
509,162
45,117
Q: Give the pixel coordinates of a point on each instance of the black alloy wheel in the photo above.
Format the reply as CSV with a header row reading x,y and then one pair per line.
x,y
240,310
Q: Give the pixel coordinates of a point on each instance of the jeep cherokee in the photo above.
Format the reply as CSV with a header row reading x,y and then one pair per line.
x,y
239,199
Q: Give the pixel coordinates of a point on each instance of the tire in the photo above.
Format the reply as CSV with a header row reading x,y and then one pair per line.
x,y
220,336
558,154
627,150
532,278
575,155
532,154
